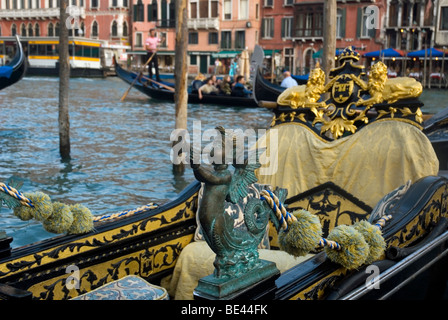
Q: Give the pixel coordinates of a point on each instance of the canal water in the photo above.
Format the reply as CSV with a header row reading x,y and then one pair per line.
x,y
120,151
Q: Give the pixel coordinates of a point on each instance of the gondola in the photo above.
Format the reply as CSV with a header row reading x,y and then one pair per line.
x,y
435,126
160,93
15,70
406,204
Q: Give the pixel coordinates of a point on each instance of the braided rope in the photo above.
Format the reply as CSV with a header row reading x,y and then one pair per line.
x,y
382,221
16,194
125,213
283,216
27,202
329,243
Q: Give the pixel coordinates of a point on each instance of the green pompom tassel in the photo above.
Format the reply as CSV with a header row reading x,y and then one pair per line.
x,y
43,208
303,235
82,219
61,219
374,238
354,248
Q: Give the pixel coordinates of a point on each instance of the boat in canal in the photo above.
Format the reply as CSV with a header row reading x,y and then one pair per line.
x,y
162,93
88,58
363,192
15,69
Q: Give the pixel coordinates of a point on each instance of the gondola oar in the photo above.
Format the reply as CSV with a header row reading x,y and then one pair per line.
x,y
160,84
138,76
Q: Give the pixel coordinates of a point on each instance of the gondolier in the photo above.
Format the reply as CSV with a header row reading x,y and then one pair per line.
x,y
151,45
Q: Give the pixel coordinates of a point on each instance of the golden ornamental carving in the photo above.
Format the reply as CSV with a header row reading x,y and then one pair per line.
x,y
351,97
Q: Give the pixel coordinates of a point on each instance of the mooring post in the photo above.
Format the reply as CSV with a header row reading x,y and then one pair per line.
x,y
64,78
181,74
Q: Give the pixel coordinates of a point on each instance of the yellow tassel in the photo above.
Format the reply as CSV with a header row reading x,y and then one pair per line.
x,y
61,219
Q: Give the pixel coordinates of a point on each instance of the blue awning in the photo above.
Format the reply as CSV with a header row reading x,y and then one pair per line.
x,y
429,52
390,52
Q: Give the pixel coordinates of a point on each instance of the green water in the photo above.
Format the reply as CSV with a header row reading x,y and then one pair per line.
x,y
120,150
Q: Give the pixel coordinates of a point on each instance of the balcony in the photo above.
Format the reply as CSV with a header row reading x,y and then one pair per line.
x,y
42,13
166,23
203,23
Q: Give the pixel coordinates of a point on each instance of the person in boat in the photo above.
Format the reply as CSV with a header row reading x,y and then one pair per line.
x,y
208,88
197,83
151,45
233,68
225,85
239,89
288,81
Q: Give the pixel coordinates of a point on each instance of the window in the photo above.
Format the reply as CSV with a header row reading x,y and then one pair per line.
x,y
340,24
309,22
125,29
287,27
114,31
94,4
138,39
193,38
37,30
162,35
138,11
288,53
56,29
244,9
289,2
152,11
240,39
23,30
30,30
193,9
362,31
226,39
13,30
213,38
267,28
50,30
444,18
227,9
203,8
193,60
214,9
95,29
268,3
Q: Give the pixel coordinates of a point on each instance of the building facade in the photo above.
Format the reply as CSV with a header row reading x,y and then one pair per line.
x,y
106,20
353,19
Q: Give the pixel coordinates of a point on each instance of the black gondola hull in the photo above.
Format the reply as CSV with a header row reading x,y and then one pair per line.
x,y
19,65
168,95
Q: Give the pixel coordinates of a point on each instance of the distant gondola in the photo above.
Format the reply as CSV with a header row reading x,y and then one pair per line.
x,y
161,93
15,70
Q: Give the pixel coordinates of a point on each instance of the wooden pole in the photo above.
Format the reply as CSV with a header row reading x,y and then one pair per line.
x,y
64,78
181,72
329,49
